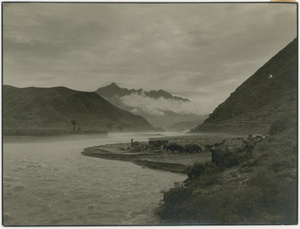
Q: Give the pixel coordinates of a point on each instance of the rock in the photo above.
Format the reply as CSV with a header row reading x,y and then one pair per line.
x,y
231,152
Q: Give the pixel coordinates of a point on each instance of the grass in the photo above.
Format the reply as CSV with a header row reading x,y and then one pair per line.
x,y
262,190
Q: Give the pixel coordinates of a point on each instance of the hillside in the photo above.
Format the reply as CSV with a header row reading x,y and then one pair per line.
x,y
160,108
268,95
54,108
248,181
245,182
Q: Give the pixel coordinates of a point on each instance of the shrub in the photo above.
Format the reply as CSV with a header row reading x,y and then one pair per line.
x,y
268,195
199,169
262,201
231,152
278,195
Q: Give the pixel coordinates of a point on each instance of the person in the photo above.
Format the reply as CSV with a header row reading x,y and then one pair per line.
x,y
131,143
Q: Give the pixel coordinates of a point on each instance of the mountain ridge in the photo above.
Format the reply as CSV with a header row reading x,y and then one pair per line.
x,y
113,89
269,94
160,108
54,108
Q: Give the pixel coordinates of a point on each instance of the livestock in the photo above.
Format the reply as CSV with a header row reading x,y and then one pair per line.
x,y
191,148
137,146
209,147
157,144
174,147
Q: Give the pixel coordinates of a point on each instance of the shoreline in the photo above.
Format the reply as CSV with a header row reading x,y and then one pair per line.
x,y
141,159
165,161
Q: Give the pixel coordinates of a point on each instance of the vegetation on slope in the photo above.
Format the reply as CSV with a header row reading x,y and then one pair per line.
x,y
245,183
259,190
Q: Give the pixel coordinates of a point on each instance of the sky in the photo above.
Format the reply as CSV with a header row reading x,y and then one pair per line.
x,y
202,52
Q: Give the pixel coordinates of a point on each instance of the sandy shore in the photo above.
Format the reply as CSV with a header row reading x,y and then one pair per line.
x,y
164,160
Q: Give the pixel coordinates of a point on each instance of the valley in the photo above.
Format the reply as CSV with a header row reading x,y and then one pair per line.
x,y
235,178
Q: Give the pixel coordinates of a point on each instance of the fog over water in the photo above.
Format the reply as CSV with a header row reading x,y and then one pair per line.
x,y
47,181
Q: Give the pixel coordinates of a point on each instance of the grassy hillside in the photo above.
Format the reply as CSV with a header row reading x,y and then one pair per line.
x,y
26,109
268,95
247,181
260,189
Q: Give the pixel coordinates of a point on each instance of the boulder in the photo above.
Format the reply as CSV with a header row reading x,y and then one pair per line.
x,y
231,152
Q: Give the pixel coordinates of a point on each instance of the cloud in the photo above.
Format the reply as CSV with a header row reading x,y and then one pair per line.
x,y
144,104
180,48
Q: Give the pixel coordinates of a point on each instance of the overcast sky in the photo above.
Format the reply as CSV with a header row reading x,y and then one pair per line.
x,y
199,51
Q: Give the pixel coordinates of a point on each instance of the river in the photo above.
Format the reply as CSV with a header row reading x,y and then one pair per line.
x,y
46,181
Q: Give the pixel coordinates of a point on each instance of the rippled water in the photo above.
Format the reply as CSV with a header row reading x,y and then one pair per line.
x,y
46,181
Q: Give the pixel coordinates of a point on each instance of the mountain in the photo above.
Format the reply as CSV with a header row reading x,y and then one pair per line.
x,y
268,96
55,108
160,108
113,90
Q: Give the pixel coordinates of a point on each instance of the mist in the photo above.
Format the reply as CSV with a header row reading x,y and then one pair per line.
x,y
159,106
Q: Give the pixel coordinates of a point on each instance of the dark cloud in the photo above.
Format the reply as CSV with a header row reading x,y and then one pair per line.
x,y
203,51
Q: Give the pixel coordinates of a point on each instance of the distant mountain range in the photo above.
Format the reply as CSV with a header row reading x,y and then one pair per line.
x,y
160,108
266,97
269,95
56,108
113,90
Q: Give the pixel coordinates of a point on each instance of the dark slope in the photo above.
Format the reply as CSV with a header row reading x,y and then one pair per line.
x,y
54,108
261,99
113,90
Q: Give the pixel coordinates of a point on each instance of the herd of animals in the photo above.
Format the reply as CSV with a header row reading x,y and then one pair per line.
x,y
160,146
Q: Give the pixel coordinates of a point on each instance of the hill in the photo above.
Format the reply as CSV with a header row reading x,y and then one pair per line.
x,y
245,182
248,181
44,109
160,108
269,95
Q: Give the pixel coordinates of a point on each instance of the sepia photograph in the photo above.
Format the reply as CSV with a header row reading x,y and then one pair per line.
x,y
149,113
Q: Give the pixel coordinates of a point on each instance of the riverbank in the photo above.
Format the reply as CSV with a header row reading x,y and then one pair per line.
x,y
245,183
162,161
234,180
167,161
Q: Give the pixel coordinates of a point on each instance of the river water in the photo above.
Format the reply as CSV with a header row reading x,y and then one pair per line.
x,y
46,181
